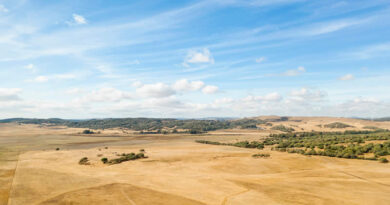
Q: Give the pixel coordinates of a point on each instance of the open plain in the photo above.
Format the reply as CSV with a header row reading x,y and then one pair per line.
x,y
179,171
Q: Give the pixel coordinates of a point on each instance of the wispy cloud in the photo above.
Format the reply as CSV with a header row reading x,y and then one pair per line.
x,y
77,20
3,9
260,60
199,56
210,89
41,79
295,72
10,94
347,77
371,51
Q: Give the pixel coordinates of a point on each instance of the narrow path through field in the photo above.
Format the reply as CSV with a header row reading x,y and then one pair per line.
x,y
13,180
364,179
127,197
233,195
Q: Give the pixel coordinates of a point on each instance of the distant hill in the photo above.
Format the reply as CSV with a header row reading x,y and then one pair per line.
x,y
145,123
383,119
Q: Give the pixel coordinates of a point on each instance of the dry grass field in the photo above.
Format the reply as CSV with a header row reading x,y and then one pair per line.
x,y
180,171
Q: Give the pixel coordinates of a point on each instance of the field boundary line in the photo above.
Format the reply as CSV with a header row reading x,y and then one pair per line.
x,y
13,180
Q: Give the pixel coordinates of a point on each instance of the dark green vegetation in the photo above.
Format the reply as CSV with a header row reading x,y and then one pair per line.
x,y
261,155
383,160
283,128
337,125
84,161
104,160
151,125
350,144
125,157
244,144
88,132
368,145
371,128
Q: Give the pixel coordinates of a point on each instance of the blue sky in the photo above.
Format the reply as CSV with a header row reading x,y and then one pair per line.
x,y
219,58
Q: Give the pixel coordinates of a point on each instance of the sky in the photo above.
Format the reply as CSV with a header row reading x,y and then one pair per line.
x,y
193,59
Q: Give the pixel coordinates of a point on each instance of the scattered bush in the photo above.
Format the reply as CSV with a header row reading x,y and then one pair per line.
x,y
127,157
244,144
261,155
104,160
87,132
348,144
383,160
283,128
84,161
142,150
337,125
57,149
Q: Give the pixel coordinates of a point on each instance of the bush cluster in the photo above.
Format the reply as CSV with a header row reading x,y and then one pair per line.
x,y
283,128
243,144
84,161
261,155
125,157
337,125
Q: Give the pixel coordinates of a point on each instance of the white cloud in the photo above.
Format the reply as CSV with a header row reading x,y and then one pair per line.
x,y
74,91
295,72
306,95
78,19
65,76
10,94
185,85
169,102
3,9
137,84
330,27
157,90
210,89
162,90
104,69
260,60
30,67
347,77
106,94
271,97
223,101
41,79
199,56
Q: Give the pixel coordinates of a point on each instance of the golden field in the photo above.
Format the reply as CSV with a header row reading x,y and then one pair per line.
x,y
180,171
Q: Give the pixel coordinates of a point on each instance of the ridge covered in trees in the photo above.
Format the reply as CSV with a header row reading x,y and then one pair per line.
x,y
368,145
140,124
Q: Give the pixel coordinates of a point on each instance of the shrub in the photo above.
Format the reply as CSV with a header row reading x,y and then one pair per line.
x,y
142,150
337,125
261,155
88,132
84,161
57,149
383,160
104,160
283,128
127,157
